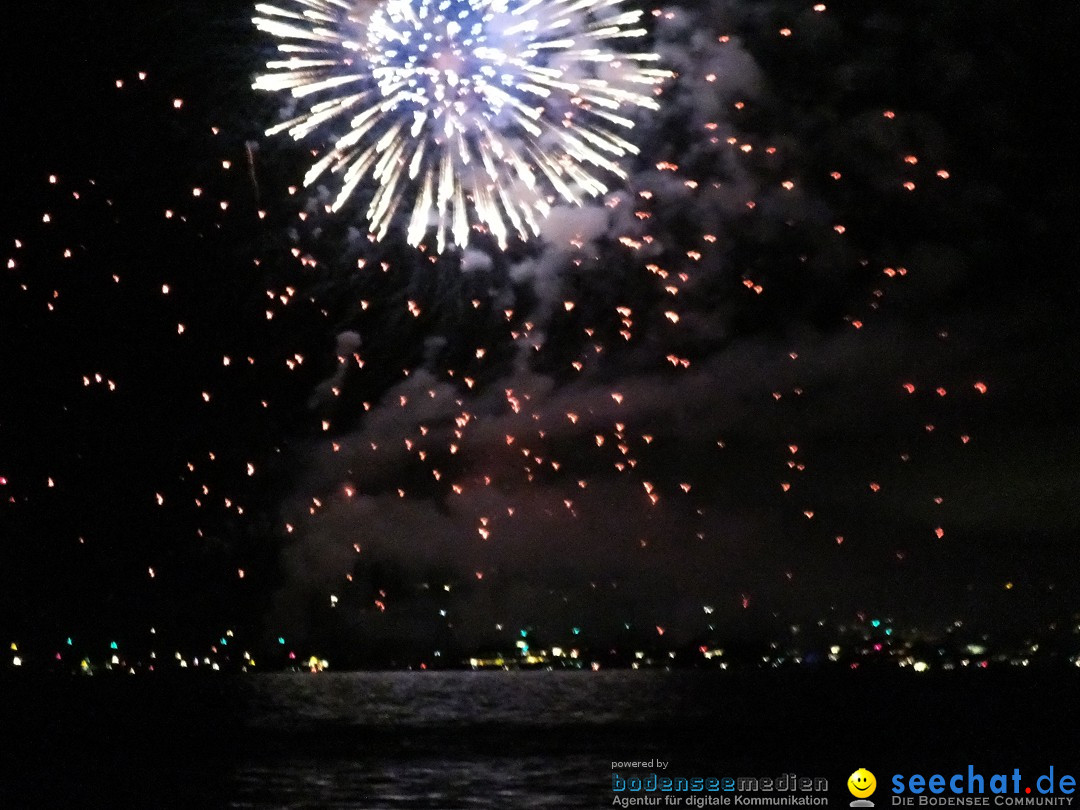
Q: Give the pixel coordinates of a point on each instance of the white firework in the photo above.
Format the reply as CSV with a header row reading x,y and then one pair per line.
x,y
477,113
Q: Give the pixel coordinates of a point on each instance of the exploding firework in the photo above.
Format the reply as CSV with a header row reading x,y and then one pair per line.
x,y
480,113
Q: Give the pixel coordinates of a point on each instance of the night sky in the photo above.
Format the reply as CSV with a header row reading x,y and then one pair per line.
x,y
814,360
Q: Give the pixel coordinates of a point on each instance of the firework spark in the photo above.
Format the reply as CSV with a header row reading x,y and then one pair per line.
x,y
480,112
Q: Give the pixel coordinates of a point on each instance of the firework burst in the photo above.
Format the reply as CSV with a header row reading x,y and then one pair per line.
x,y
477,113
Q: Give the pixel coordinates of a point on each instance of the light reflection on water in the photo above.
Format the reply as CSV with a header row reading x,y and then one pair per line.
x,y
446,740
550,781
414,699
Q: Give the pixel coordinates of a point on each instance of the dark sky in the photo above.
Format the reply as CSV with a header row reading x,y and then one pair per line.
x,y
794,475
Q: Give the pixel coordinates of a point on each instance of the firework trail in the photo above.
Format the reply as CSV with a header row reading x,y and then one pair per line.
x,y
249,149
480,113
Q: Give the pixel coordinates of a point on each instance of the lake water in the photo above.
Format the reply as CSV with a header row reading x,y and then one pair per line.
x,y
450,740
460,740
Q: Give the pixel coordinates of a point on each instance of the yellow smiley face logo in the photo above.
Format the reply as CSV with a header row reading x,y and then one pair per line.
x,y
861,783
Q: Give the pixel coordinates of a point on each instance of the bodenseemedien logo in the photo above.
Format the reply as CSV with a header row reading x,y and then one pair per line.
x,y
653,789
862,785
